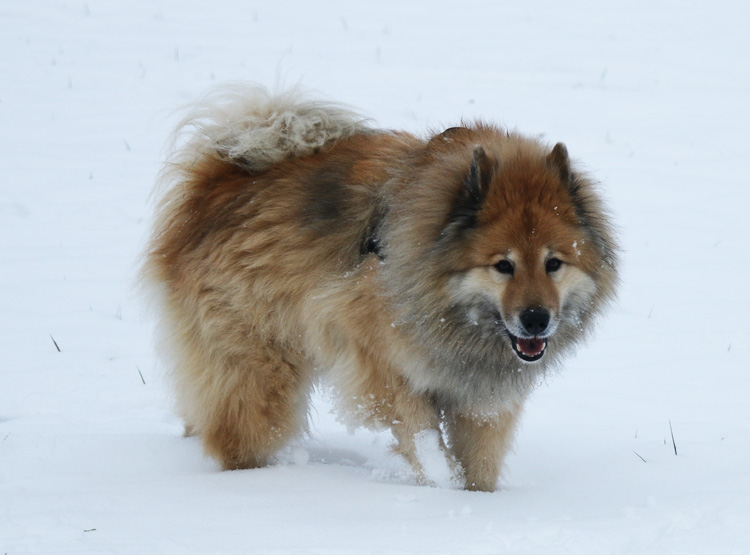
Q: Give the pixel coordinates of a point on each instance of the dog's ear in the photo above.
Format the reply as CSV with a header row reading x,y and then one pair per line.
x,y
453,133
559,160
450,135
473,191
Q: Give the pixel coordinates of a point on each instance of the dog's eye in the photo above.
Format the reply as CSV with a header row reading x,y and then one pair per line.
x,y
553,264
504,267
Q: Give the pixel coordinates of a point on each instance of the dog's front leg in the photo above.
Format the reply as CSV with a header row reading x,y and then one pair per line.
x,y
480,443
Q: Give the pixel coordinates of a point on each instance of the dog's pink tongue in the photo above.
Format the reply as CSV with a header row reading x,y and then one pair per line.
x,y
531,347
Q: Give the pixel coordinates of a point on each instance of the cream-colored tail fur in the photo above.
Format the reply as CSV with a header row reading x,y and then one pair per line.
x,y
245,124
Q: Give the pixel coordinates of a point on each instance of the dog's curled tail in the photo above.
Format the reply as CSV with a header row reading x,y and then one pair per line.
x,y
245,124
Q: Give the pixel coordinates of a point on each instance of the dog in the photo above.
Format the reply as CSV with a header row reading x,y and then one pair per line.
x,y
435,281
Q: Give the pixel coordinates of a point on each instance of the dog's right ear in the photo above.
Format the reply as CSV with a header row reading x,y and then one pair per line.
x,y
473,192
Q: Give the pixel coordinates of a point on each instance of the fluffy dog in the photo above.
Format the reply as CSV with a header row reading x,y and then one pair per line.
x,y
435,281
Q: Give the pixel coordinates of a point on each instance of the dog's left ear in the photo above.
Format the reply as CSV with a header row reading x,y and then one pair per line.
x,y
559,160
473,192
450,135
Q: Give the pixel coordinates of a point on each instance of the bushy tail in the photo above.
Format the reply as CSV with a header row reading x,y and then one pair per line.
x,y
248,126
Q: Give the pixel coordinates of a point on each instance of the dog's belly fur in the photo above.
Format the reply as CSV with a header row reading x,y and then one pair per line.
x,y
321,246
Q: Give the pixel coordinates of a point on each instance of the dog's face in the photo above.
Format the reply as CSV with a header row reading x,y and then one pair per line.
x,y
527,292
530,264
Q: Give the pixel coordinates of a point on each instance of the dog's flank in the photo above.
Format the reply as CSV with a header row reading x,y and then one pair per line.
x,y
434,281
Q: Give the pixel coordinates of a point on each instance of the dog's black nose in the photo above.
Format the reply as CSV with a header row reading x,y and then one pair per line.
x,y
535,320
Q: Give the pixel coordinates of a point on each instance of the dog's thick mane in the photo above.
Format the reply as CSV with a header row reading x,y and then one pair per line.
x,y
250,127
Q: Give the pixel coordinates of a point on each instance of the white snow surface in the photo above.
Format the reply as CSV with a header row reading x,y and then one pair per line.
x,y
651,96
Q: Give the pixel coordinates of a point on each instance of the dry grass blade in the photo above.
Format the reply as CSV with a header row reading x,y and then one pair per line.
x,y
674,444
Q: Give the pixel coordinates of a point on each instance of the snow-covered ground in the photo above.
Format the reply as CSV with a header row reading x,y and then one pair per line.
x,y
651,95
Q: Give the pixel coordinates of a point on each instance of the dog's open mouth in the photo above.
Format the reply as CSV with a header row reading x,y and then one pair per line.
x,y
529,349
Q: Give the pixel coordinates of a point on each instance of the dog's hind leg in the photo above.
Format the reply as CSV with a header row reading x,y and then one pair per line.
x,y
480,443
415,425
248,407
378,397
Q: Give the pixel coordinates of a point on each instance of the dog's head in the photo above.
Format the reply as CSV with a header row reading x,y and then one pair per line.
x,y
535,256
522,257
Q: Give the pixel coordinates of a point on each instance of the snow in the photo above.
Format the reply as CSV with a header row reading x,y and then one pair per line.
x,y
650,96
